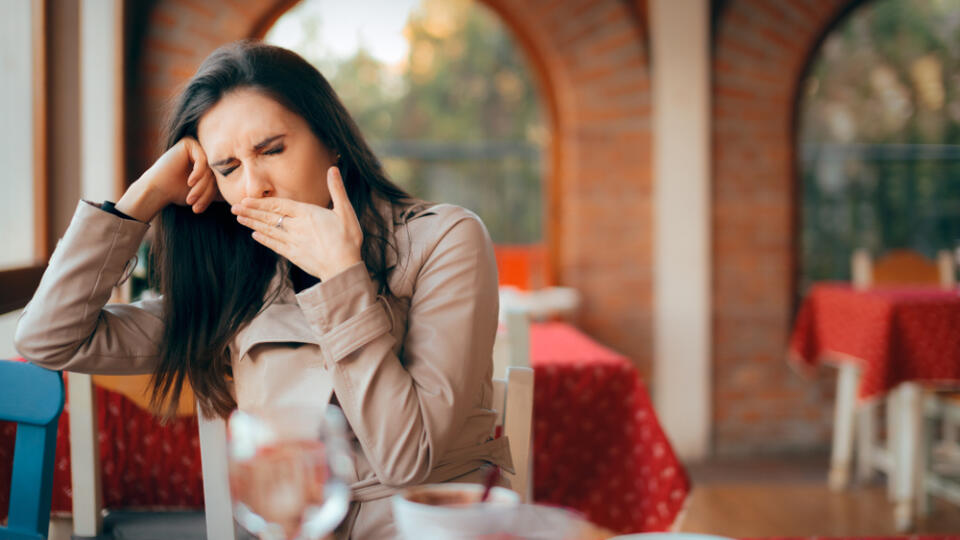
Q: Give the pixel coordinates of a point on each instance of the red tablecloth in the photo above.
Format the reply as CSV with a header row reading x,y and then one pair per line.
x,y
895,334
598,445
913,537
145,464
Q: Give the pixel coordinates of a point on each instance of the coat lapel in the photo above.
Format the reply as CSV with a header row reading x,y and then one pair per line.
x,y
282,321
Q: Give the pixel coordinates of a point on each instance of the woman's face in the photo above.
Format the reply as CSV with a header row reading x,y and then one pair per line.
x,y
256,148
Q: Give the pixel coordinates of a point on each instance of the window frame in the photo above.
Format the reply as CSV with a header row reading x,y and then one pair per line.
x,y
18,284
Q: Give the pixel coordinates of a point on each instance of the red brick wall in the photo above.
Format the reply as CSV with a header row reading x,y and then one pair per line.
x,y
592,60
761,48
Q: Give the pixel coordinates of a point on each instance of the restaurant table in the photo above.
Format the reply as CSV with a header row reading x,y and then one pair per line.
x,y
598,447
884,341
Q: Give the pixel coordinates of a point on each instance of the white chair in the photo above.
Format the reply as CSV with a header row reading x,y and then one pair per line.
x,y
517,309
513,399
940,461
898,267
900,456
512,345
218,508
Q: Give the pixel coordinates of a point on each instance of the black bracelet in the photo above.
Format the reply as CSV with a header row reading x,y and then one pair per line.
x,y
109,206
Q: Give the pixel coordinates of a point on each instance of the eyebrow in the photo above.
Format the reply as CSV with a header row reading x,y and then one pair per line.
x,y
257,147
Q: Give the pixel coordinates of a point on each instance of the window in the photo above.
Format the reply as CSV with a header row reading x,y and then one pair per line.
x,y
879,137
23,217
443,94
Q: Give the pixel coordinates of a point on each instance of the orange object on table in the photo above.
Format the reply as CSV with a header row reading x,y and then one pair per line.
x,y
522,265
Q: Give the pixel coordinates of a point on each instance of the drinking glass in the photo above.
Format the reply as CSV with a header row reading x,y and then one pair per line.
x,y
290,471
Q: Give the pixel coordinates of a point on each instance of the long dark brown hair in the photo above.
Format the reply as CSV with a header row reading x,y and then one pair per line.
x,y
213,276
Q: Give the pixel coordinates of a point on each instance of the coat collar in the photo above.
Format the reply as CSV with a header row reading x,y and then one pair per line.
x,y
279,322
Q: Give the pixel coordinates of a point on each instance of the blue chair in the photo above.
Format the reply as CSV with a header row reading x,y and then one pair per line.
x,y
33,398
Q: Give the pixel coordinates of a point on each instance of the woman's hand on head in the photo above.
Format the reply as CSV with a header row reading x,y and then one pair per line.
x,y
180,176
183,176
323,242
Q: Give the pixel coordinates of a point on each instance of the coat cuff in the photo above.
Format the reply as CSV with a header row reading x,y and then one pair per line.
x,y
124,236
346,312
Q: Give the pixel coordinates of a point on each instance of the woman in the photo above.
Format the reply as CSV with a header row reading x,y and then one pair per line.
x,y
315,280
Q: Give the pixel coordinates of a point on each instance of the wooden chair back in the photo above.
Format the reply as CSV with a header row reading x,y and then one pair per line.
x,y
902,267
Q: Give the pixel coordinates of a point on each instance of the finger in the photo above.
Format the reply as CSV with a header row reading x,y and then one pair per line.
x,y
199,157
278,247
267,229
338,194
196,173
211,196
205,198
194,194
276,205
200,188
252,213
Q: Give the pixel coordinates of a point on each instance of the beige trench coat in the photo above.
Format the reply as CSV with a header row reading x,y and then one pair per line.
x,y
412,373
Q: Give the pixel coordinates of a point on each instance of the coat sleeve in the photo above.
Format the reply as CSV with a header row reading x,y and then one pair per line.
x,y
68,324
406,413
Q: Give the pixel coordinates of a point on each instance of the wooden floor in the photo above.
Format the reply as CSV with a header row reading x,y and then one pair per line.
x,y
759,499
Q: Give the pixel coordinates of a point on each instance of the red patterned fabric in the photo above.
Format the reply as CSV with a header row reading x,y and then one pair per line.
x,y
145,465
942,537
598,445
895,334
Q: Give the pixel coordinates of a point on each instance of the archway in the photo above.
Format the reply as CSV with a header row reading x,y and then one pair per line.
x,y
761,50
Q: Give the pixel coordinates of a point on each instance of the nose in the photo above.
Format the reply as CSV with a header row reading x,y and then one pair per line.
x,y
256,183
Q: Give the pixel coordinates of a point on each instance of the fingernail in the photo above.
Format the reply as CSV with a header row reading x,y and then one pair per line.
x,y
234,209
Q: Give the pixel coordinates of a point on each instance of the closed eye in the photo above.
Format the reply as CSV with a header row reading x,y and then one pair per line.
x,y
272,151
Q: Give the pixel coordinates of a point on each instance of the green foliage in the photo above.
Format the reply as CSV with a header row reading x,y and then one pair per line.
x,y
880,136
459,121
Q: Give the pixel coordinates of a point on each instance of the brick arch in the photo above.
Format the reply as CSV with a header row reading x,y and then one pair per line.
x,y
761,53
176,36
591,62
